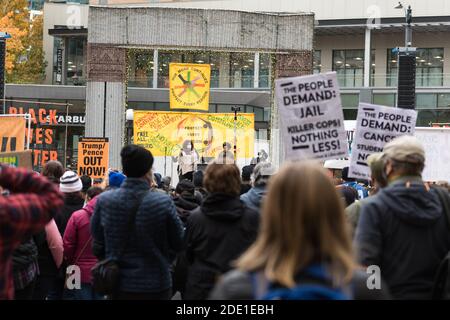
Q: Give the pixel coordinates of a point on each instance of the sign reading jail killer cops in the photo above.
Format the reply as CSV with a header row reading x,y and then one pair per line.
x,y
376,126
93,156
189,86
312,121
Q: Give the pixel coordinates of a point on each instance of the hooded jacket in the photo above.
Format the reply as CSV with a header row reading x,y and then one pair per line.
x,y
217,233
72,202
78,241
185,204
253,198
403,230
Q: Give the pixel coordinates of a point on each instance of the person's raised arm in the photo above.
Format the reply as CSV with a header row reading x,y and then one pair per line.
x,y
33,202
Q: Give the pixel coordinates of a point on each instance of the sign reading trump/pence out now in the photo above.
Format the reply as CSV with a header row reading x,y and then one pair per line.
x,y
376,126
93,157
312,120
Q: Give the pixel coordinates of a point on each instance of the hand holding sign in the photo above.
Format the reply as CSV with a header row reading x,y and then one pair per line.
x,y
312,120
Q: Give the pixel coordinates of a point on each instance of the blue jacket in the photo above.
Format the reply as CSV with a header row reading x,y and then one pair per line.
x,y
403,230
156,234
253,198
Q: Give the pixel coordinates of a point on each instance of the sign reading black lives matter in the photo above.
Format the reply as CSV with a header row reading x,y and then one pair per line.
x,y
312,121
376,126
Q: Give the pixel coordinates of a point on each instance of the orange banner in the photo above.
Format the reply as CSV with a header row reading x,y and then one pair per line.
x,y
12,134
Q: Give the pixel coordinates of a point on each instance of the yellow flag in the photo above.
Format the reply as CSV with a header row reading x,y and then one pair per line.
x,y
12,134
189,86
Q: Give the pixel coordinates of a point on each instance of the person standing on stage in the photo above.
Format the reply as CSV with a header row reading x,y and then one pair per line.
x,y
187,161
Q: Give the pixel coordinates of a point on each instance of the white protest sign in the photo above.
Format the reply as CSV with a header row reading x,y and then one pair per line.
x,y
376,126
312,121
436,142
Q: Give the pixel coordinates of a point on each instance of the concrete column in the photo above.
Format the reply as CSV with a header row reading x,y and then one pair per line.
x,y
367,56
287,65
446,67
105,97
224,70
256,71
155,68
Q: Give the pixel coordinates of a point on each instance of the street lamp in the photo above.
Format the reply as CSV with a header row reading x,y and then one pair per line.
x,y
408,27
3,37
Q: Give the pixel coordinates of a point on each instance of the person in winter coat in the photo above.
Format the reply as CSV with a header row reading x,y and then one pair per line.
x,y
403,229
78,247
25,269
200,192
260,176
185,200
246,183
138,228
70,184
49,245
303,243
218,231
32,203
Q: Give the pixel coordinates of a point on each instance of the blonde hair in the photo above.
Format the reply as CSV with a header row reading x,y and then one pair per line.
x,y
303,222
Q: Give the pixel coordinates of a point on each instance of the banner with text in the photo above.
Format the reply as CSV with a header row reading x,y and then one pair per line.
x,y
21,159
376,126
165,133
312,120
189,86
93,157
12,134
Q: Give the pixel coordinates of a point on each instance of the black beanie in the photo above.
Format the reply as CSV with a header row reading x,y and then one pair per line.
x,y
136,161
185,187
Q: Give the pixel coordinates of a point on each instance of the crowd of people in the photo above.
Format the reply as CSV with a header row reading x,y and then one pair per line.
x,y
225,233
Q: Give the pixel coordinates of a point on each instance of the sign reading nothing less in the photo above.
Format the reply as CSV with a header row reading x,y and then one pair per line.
x,y
93,157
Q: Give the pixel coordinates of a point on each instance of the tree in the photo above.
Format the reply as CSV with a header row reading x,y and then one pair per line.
x,y
24,51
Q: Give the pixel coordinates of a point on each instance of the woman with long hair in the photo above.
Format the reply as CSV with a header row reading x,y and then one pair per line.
x,y
303,249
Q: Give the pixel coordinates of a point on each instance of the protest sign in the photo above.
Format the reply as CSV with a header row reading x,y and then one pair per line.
x,y
189,86
12,133
164,133
93,156
376,126
21,159
436,142
312,120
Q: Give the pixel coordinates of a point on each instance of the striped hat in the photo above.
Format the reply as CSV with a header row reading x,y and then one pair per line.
x,y
70,182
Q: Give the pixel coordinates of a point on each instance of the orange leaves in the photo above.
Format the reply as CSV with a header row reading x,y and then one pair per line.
x,y
14,45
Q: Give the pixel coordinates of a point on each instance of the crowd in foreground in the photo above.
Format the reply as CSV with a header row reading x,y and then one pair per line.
x,y
290,234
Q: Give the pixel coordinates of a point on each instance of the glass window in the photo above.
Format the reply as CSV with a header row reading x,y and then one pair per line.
x,y
384,99
224,108
164,59
429,67
242,70
317,62
444,100
264,70
350,114
141,69
350,100
426,100
75,61
349,65
259,114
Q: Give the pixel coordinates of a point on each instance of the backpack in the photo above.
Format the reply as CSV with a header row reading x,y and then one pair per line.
x,y
441,286
318,289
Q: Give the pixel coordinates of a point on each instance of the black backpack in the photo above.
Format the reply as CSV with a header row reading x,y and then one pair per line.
x,y
441,287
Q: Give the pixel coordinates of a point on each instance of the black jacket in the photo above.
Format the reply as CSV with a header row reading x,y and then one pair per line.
x,y
403,230
47,265
24,255
185,204
238,285
217,233
72,203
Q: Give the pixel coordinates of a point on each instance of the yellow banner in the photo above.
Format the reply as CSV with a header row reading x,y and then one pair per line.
x,y
167,133
12,134
189,86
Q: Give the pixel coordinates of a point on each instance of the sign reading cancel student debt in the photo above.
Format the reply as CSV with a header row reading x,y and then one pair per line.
x,y
376,126
312,121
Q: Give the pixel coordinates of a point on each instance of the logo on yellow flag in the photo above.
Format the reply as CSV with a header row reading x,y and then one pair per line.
x,y
189,86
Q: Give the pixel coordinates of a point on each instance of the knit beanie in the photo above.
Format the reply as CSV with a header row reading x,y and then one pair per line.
x,y
70,182
115,179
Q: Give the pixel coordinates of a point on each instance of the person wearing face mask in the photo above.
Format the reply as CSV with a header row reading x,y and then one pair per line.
x,y
187,161
403,229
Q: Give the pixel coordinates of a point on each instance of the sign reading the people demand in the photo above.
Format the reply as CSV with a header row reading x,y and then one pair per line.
x,y
189,86
376,126
165,133
312,121
93,156
12,134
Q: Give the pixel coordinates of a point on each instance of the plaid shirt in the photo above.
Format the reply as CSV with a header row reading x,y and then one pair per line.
x,y
33,202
